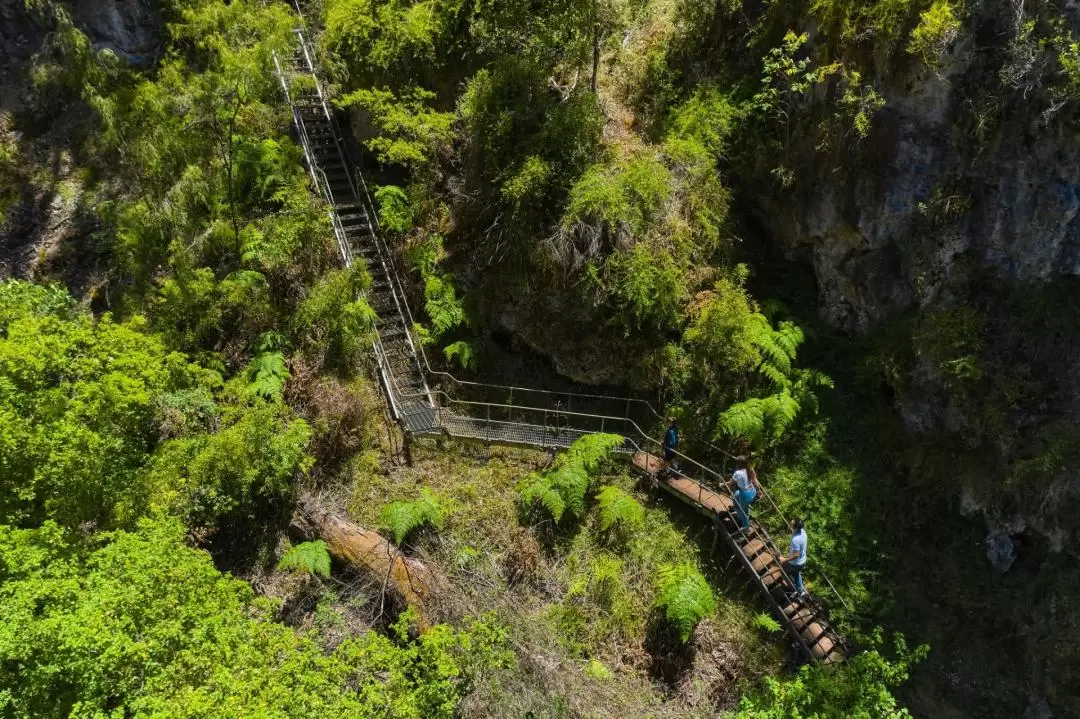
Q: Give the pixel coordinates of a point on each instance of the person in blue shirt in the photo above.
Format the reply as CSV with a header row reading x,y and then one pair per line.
x,y
671,441
745,490
795,561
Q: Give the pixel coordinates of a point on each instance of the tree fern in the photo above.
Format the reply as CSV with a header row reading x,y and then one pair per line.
x,y
310,557
267,375
618,509
589,451
685,598
563,487
403,518
462,352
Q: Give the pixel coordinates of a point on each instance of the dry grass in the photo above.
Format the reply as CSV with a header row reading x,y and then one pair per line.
x,y
537,580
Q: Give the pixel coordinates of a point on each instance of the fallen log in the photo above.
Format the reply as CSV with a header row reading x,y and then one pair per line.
x,y
406,579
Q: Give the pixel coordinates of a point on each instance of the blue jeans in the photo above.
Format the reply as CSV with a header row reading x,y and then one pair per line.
x,y
743,499
795,572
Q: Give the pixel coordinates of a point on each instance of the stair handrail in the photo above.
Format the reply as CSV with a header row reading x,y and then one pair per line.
x,y
722,486
718,480
339,231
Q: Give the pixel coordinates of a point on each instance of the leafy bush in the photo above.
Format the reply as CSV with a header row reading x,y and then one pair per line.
x,y
860,687
938,28
78,408
140,624
403,518
395,213
766,623
334,322
462,352
309,557
562,488
410,132
253,458
684,597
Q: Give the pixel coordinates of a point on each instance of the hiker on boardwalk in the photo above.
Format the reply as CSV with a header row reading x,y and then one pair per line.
x,y
795,561
745,479
671,442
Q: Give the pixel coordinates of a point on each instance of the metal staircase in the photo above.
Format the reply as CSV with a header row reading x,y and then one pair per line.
x,y
516,415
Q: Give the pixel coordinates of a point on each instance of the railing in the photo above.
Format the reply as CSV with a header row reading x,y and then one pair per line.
x,y
512,418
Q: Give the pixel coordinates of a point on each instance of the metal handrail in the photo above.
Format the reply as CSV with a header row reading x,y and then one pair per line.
x,y
719,481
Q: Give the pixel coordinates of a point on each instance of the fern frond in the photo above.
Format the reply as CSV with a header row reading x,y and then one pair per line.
x,y
401,519
744,419
267,375
589,451
310,557
463,352
789,337
618,509
685,597
563,488
774,375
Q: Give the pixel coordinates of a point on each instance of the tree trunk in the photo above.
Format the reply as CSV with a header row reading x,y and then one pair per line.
x,y
406,579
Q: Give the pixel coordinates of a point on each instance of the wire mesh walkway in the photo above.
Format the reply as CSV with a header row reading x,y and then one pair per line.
x,y
513,415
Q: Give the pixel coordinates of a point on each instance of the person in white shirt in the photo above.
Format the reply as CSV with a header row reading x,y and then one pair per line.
x,y
795,561
745,490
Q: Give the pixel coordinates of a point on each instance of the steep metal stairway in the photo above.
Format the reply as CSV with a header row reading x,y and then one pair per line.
x,y
516,415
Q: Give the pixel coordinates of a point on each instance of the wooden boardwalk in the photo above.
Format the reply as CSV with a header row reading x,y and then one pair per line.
x,y
802,617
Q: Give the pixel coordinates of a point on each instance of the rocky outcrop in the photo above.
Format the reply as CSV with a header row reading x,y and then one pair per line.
x,y
953,180
129,28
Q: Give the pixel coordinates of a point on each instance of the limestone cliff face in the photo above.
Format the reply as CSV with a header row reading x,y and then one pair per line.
x,y
966,183
923,202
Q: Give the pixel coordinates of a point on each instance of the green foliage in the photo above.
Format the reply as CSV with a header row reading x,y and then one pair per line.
x,y
308,557
709,117
395,213
718,334
462,352
372,39
444,308
860,687
561,489
938,28
254,457
334,321
596,670
410,132
403,518
684,597
885,20
598,604
619,197
618,510
267,375
950,338
766,623
78,400
859,102
764,420
648,284
140,624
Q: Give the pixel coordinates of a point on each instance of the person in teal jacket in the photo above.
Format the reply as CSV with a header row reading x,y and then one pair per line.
x,y
671,441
